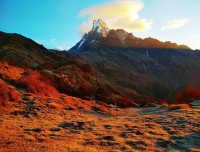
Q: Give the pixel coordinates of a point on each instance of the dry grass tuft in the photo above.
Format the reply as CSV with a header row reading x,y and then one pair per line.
x,y
55,106
7,93
179,106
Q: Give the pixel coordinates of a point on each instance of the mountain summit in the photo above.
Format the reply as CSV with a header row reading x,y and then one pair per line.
x,y
100,27
101,36
98,32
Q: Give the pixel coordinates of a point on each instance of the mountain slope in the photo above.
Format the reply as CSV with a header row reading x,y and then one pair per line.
x,y
23,51
67,73
146,66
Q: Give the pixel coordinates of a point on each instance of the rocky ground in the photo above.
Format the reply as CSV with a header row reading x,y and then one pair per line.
x,y
72,124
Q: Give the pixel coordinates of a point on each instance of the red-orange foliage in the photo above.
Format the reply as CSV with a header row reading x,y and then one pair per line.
x,y
85,90
14,95
188,95
143,100
7,94
38,84
70,85
125,103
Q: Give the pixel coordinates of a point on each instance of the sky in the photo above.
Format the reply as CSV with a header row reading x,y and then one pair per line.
x,y
60,24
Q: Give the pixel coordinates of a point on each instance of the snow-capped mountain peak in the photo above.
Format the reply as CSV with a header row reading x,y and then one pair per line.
x,y
101,37
101,27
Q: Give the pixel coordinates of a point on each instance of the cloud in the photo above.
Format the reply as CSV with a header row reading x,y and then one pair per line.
x,y
195,45
195,36
174,24
117,14
85,27
60,48
53,40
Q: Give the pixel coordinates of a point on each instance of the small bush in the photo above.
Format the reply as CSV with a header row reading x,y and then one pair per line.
x,y
4,92
189,95
85,90
86,68
7,93
14,95
125,103
38,84
143,100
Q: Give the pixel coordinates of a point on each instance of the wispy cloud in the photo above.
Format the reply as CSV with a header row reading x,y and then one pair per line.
x,y
117,14
195,36
174,24
53,40
61,48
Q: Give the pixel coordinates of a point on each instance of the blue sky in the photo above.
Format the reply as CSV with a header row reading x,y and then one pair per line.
x,y
59,24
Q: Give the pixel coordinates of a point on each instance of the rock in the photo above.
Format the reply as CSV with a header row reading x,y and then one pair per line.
x,y
66,125
108,143
89,143
195,103
80,125
152,105
139,132
69,108
135,144
181,121
74,125
9,142
36,130
30,103
33,130
108,126
108,138
164,143
30,109
123,134
16,112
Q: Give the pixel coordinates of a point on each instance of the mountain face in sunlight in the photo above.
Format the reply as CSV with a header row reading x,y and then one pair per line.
x,y
101,36
147,66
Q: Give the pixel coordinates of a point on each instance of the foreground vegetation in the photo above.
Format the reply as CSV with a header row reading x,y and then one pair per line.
x,y
35,116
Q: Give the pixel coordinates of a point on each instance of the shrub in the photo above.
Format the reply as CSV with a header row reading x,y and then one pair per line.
x,y
125,103
188,95
85,90
4,93
86,68
7,93
68,83
162,102
102,94
38,84
143,100
13,95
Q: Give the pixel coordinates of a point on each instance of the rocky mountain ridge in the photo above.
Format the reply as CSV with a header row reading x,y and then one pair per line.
x,y
101,36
